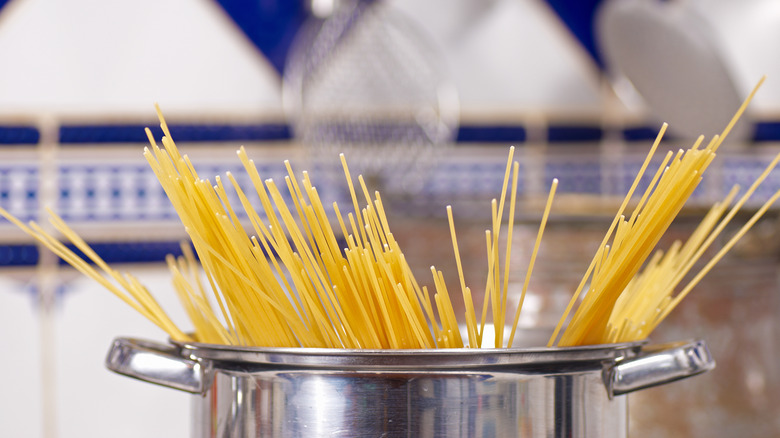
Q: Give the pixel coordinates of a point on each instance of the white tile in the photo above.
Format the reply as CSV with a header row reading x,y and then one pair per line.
x,y
94,57
20,362
95,402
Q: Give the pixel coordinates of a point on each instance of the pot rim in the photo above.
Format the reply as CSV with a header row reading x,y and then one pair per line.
x,y
444,358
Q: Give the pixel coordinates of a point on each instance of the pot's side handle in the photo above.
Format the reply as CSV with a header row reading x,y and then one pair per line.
x,y
657,365
158,363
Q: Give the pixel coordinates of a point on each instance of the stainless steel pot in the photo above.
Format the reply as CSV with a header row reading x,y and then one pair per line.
x,y
528,392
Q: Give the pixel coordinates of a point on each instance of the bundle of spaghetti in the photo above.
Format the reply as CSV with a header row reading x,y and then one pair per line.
x,y
649,291
633,240
651,296
622,304
291,284
361,296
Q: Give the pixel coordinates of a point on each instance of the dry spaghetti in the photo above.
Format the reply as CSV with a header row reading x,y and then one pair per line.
x,y
630,292
291,281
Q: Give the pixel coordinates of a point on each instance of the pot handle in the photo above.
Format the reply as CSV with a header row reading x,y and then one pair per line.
x,y
658,365
158,363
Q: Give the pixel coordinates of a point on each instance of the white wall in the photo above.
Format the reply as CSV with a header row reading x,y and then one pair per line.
x,y
117,58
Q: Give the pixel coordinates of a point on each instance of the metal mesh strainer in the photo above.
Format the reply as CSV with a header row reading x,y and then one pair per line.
x,y
367,82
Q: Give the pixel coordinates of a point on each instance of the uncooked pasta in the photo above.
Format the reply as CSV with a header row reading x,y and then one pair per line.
x,y
299,274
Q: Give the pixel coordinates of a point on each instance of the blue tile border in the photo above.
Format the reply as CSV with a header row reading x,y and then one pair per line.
x,y
132,133
491,134
18,255
279,132
133,252
19,135
121,192
19,188
584,177
767,131
77,134
106,134
642,133
111,252
574,133
115,191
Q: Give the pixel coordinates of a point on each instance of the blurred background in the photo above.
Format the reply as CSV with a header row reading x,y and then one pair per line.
x,y
425,99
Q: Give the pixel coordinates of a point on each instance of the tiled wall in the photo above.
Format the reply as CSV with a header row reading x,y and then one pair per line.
x,y
59,326
77,89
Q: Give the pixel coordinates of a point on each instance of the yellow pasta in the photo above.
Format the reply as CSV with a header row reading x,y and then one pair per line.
x,y
630,291
532,261
293,283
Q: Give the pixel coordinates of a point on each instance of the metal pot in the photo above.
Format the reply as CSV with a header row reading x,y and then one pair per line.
x,y
297,392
